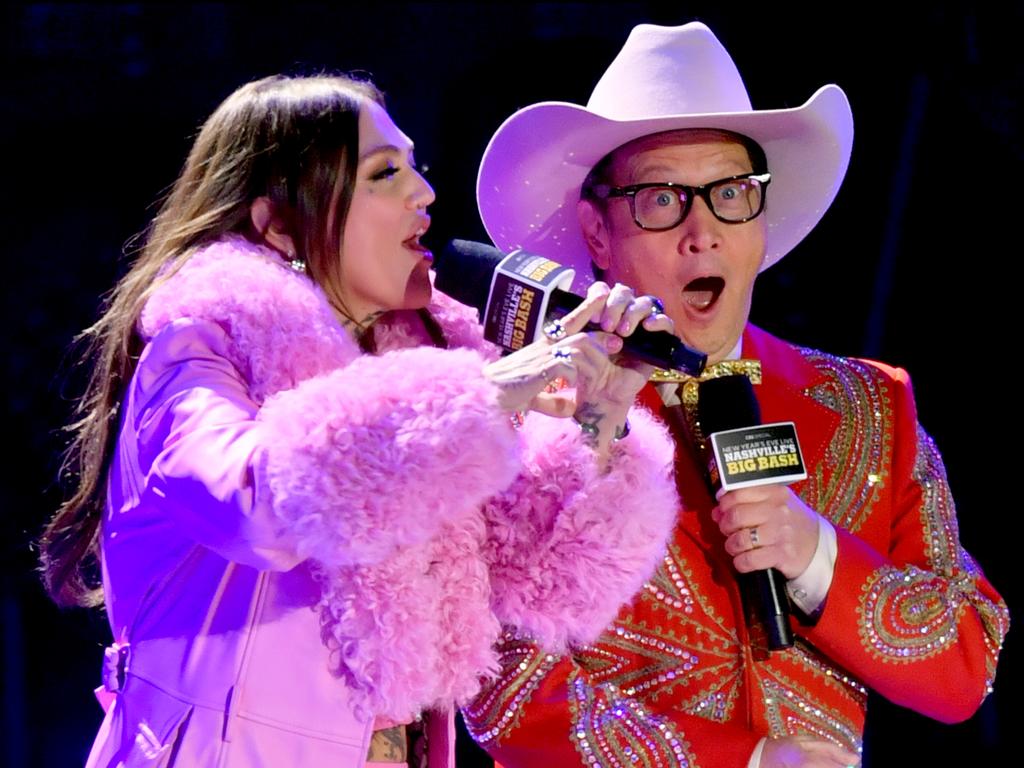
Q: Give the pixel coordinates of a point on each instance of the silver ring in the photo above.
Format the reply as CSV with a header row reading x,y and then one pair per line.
x,y
754,540
562,355
657,308
554,330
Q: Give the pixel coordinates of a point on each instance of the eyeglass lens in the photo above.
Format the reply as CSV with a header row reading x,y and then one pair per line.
x,y
730,200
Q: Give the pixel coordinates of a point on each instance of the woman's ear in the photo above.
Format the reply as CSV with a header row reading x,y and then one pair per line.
x,y
595,232
271,227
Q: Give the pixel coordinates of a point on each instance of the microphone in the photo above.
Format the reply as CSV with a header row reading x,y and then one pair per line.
x,y
746,453
518,294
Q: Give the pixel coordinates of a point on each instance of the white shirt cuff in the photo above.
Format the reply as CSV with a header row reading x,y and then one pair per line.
x,y
810,588
755,757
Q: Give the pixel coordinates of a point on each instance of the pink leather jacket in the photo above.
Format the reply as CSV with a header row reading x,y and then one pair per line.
x,y
301,540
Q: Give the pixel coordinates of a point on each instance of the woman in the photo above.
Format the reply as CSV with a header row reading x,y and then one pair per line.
x,y
316,514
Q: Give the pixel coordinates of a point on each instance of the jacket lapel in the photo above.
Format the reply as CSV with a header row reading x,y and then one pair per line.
x,y
783,395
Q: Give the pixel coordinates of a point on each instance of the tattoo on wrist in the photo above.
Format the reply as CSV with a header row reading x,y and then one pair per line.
x,y
589,417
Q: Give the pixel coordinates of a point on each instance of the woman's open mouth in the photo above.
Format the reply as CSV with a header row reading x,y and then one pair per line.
x,y
413,243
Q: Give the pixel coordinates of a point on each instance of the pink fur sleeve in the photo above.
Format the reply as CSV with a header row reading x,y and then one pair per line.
x,y
381,453
568,545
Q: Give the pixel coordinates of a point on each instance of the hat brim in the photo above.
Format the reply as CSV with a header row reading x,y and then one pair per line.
x,y
533,168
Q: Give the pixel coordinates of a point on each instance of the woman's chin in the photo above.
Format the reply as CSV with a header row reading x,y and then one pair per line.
x,y
417,291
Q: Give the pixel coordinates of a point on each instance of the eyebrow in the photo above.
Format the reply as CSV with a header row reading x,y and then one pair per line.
x,y
645,170
665,170
382,149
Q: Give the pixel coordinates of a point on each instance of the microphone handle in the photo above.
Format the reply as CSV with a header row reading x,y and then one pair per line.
x,y
724,404
657,348
766,596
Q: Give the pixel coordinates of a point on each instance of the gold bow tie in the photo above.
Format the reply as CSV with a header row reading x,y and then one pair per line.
x,y
688,386
746,367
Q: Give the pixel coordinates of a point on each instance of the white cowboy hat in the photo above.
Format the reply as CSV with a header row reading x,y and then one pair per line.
x,y
665,78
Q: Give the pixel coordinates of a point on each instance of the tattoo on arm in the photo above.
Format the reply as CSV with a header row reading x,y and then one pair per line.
x,y
389,745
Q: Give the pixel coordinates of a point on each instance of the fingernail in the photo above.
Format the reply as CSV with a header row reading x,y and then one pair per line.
x,y
613,344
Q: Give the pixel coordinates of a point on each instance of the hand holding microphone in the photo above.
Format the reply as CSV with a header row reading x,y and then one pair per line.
x,y
520,293
767,526
554,334
770,533
605,383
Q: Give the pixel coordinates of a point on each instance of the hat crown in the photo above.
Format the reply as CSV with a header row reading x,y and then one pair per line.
x,y
670,71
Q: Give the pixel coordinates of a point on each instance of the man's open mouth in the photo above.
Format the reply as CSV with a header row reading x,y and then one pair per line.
x,y
701,293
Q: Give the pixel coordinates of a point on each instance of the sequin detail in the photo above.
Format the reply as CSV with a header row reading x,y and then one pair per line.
x,y
496,711
942,545
791,711
912,614
613,731
845,486
938,516
702,656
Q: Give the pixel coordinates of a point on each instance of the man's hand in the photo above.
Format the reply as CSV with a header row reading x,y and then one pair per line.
x,y
767,526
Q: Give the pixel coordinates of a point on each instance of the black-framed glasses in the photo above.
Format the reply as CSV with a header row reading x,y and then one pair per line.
x,y
658,206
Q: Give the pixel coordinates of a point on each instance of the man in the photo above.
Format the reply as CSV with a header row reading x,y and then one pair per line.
x,y
669,182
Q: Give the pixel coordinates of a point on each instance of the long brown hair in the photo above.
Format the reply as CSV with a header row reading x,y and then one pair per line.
x,y
293,140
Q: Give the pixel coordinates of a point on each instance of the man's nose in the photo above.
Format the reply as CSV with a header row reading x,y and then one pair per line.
x,y
700,231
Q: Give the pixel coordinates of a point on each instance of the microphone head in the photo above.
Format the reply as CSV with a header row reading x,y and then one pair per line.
x,y
464,272
725,403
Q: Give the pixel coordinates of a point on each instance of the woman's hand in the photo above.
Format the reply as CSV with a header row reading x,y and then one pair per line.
x,y
605,392
605,384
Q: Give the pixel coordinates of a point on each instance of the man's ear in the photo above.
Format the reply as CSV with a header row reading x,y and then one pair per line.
x,y
271,226
595,232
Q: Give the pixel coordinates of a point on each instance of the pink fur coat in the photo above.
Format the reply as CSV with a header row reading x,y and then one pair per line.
x,y
426,520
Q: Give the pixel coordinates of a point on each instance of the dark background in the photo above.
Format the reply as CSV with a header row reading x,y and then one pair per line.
x,y
914,264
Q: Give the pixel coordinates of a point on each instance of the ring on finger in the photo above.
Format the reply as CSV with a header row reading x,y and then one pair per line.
x,y
657,308
554,330
755,541
562,355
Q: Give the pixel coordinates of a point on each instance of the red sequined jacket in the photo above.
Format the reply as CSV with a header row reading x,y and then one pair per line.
x,y
675,680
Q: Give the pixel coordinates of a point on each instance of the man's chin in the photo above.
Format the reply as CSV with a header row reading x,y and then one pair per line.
x,y
716,347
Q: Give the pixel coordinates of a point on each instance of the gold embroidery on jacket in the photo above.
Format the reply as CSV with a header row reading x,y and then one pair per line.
x,y
496,711
910,614
610,729
845,486
791,711
942,545
704,650
938,515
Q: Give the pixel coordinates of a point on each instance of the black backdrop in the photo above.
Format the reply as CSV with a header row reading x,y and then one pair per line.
x,y
914,264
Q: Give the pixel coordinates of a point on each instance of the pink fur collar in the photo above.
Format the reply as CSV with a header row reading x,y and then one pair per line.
x,y
282,327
